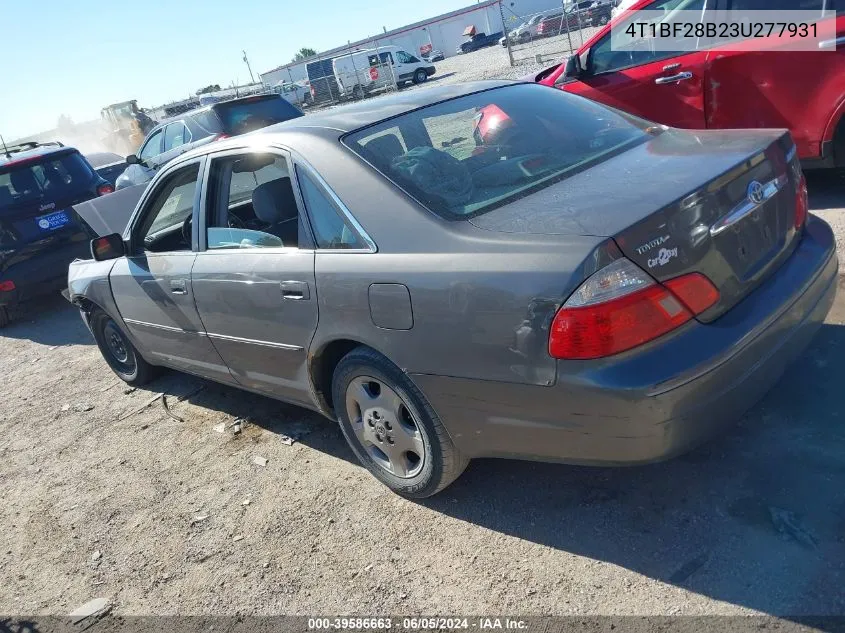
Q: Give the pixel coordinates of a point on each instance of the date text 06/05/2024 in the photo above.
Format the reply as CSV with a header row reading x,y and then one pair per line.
x,y
424,623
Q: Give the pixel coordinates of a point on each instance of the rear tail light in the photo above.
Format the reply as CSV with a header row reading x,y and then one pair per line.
x,y
104,189
802,203
620,307
7,286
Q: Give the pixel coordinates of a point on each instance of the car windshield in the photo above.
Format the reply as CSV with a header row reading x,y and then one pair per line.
x,y
467,156
239,117
51,177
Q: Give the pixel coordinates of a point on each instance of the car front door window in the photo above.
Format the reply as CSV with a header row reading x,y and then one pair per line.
x,y
152,147
615,52
164,225
175,135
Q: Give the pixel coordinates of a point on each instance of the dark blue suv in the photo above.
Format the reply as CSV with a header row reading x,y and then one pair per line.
x,y
40,233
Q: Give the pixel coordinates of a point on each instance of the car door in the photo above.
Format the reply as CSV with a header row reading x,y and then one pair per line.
x,y
780,87
152,284
253,280
663,86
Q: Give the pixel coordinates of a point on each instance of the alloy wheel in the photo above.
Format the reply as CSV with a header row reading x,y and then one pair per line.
x,y
385,427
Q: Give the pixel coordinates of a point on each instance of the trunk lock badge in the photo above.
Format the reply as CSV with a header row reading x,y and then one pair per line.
x,y
756,193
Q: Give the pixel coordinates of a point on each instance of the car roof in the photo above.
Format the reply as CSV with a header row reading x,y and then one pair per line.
x,y
35,152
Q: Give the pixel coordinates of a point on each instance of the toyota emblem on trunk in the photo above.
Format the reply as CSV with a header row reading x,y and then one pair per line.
x,y
755,192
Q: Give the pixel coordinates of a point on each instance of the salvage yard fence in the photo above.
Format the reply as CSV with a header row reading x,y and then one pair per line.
x,y
538,38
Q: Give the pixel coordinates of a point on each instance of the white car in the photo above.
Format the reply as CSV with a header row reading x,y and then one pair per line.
x,y
624,5
295,93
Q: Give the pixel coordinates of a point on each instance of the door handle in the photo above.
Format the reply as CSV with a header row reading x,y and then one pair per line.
x,y
684,76
295,290
178,287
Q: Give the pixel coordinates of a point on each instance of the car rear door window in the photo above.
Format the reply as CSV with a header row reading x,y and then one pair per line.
x,y
251,203
330,229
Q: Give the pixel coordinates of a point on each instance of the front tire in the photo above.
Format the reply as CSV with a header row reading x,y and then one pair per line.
x,y
420,76
118,351
392,428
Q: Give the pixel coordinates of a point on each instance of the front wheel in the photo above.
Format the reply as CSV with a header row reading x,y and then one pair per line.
x,y
420,76
118,351
390,426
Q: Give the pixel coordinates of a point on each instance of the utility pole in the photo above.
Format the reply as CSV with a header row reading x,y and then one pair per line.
x,y
507,34
246,61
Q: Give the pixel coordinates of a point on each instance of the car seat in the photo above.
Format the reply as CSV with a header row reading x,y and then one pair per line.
x,y
274,204
23,180
386,148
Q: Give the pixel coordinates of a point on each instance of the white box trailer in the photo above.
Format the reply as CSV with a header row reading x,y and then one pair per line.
x,y
366,71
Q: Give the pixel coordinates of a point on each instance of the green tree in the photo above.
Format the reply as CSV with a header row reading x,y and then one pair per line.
x,y
207,89
304,53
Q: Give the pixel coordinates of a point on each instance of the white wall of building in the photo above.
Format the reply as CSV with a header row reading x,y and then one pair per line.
x,y
444,34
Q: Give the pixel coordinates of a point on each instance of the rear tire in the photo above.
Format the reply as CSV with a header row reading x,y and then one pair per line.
x,y
420,76
391,427
118,351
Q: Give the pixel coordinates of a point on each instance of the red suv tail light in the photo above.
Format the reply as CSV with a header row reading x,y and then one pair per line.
x,y
802,204
104,189
620,307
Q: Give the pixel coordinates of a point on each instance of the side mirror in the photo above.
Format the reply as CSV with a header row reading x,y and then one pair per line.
x,y
132,160
573,67
108,247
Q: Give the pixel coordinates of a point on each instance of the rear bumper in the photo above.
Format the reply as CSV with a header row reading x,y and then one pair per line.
x,y
659,401
44,272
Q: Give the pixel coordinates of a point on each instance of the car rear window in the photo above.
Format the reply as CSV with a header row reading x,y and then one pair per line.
x,y
52,177
239,117
469,155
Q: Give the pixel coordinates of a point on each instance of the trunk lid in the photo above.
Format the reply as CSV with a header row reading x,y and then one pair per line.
x,y
721,203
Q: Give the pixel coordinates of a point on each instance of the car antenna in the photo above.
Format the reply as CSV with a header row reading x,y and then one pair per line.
x,y
5,149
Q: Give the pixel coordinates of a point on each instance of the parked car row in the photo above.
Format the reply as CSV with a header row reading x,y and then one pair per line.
x,y
572,17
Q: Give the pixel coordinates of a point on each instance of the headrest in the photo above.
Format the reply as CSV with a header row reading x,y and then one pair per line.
x,y
387,147
274,202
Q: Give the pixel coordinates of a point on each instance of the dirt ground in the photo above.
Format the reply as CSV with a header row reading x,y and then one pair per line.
x,y
102,497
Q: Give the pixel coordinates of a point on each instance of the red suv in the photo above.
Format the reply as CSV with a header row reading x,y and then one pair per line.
x,y
721,88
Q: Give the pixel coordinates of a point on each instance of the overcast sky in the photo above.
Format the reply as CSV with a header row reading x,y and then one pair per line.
x,y
75,56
